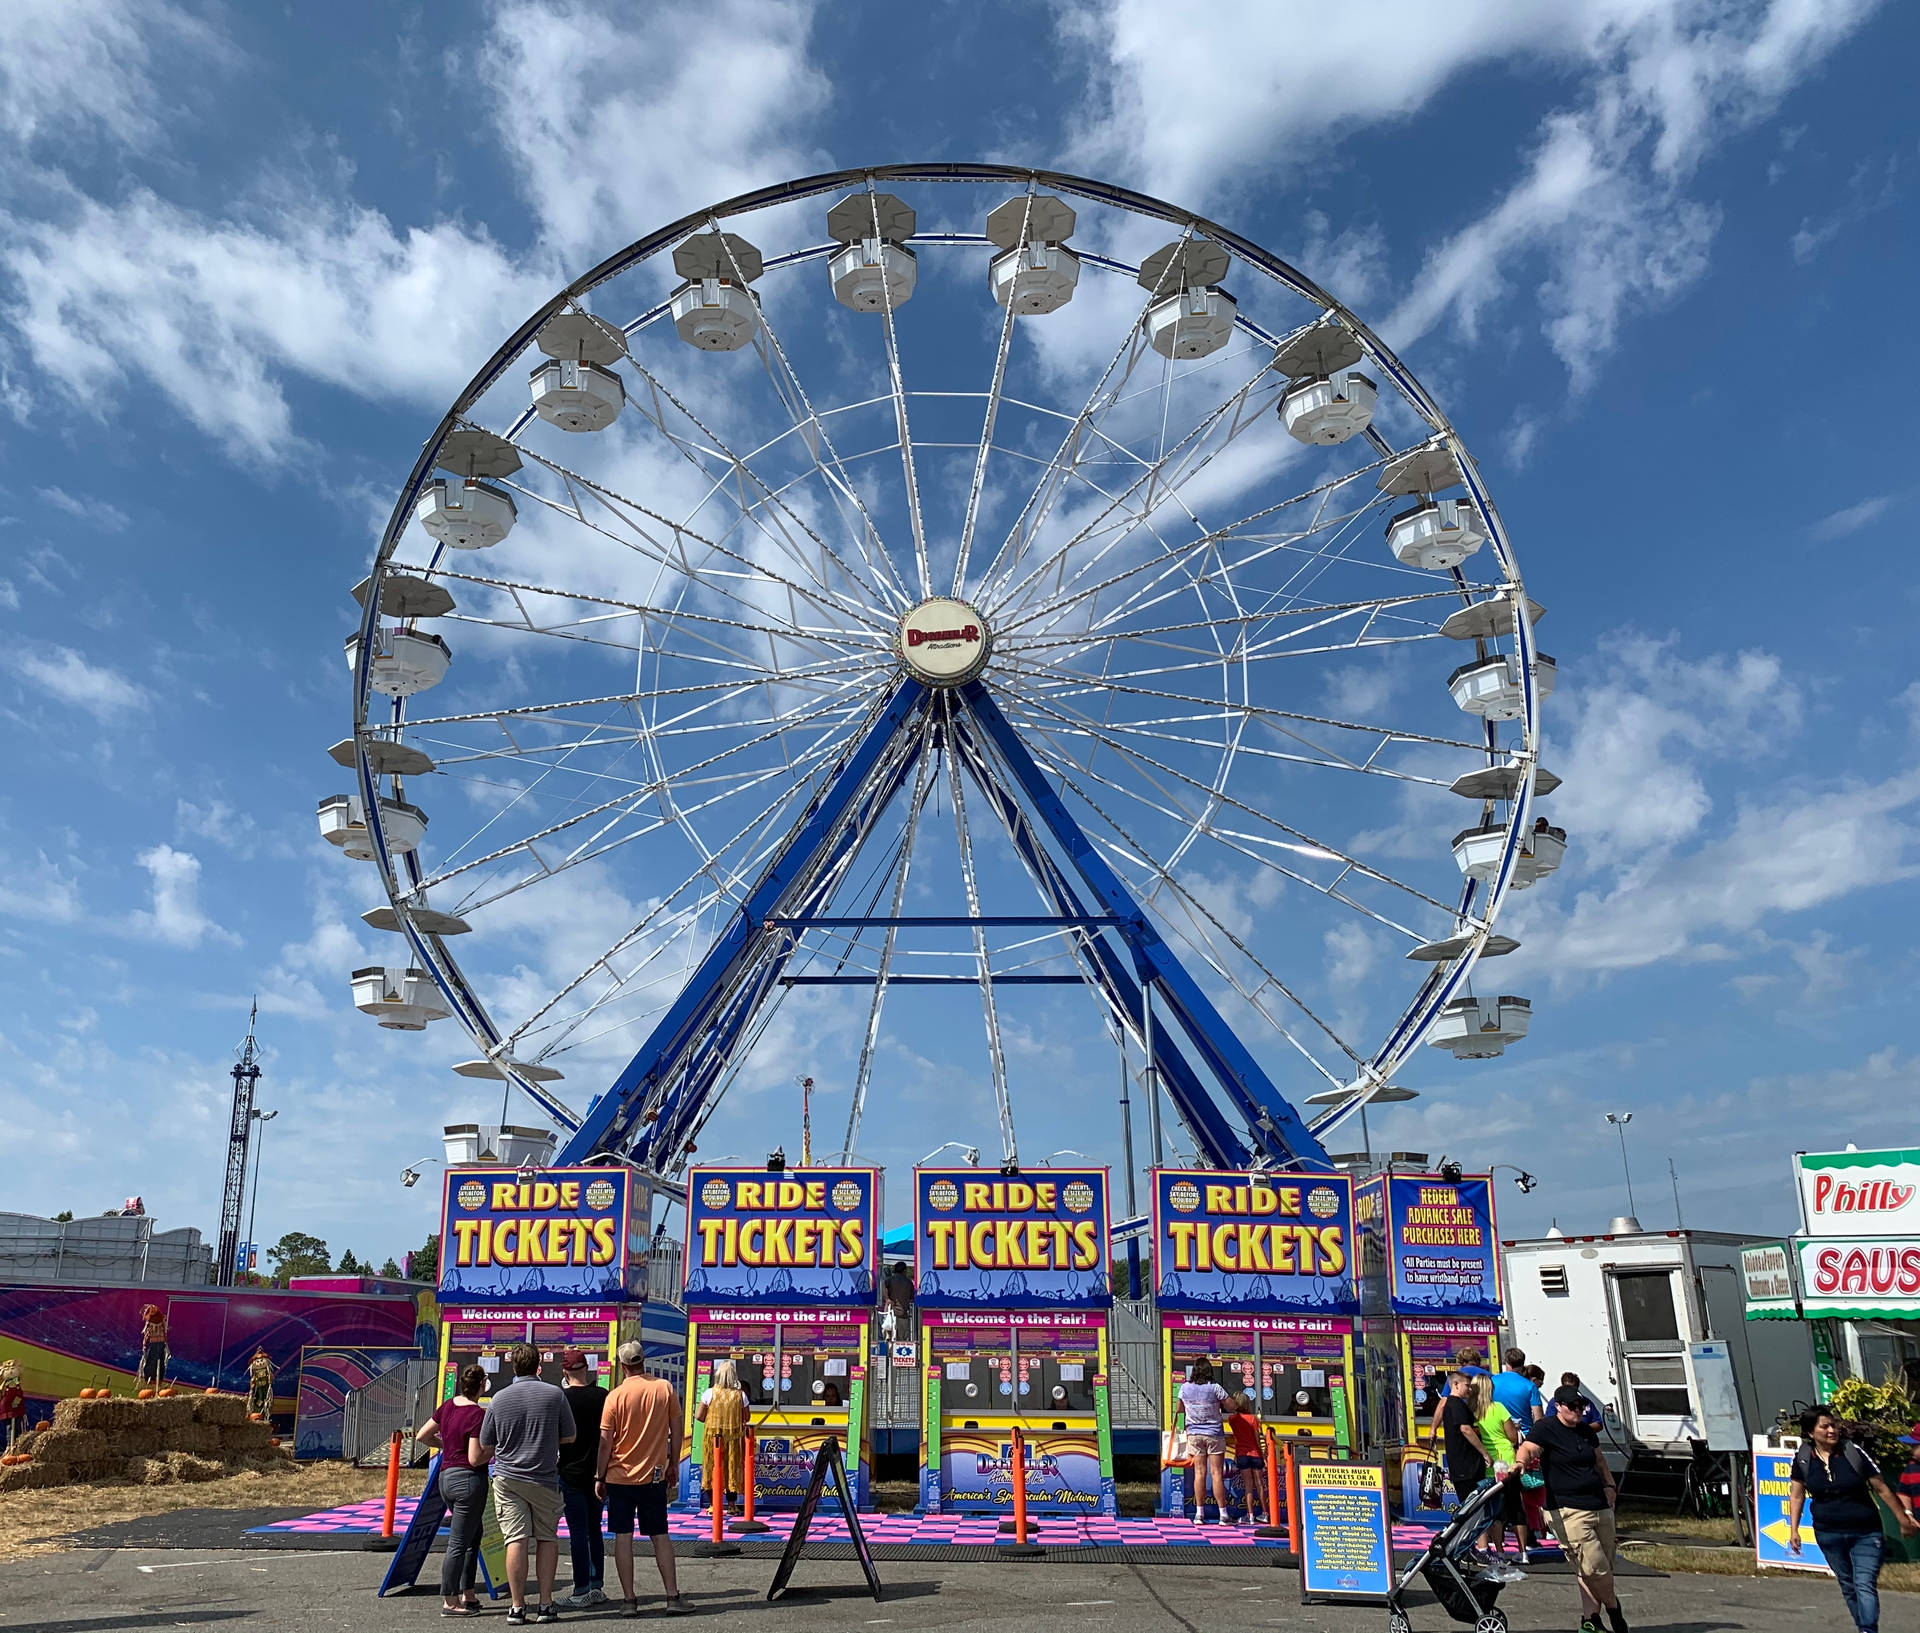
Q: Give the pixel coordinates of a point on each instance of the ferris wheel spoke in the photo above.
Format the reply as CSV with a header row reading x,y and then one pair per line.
x,y
1166,778
836,717
994,392
1106,392
896,381
1125,848
814,436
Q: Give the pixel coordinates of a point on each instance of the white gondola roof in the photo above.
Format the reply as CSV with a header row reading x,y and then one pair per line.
x,y
425,919
1485,620
1423,470
388,758
1501,782
469,451
404,596
853,218
1041,219
574,334
1201,264
1318,349
1439,952
717,255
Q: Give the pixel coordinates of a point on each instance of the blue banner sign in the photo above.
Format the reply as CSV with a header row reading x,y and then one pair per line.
x,y
1010,1242
1444,1245
1259,1242
803,1236
537,1236
1345,1532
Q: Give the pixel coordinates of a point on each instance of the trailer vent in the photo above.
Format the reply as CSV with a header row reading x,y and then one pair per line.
x,y
1553,1280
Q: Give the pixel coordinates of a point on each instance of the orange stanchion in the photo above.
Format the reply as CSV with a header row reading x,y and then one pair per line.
x,y
746,1522
393,1485
716,1486
1019,1487
1273,1527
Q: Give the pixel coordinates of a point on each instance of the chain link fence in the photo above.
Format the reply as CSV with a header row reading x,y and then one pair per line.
x,y
402,1400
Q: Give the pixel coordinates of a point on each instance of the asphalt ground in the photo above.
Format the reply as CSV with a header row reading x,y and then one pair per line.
x,y
104,1590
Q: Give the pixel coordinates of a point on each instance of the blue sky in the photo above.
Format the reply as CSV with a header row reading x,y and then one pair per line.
x,y
247,257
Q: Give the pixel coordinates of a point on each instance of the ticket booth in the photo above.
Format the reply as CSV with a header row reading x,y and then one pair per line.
x,y
1430,1289
1254,1273
782,1280
1012,1289
538,1256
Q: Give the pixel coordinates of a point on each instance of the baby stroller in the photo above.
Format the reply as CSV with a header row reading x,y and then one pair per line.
x,y
1465,1585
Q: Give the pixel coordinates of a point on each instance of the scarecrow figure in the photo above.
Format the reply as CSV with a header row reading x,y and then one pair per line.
x,y
13,1401
260,1382
153,1347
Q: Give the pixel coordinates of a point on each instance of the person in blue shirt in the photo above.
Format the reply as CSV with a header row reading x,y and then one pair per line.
x,y
1514,1390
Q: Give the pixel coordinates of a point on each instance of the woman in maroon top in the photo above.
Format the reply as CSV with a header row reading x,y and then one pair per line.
x,y
463,1488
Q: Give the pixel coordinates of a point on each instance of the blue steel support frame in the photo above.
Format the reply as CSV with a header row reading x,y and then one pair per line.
x,y
608,1125
1270,1119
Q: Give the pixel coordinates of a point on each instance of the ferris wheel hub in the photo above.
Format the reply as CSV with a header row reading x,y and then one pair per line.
x,y
943,642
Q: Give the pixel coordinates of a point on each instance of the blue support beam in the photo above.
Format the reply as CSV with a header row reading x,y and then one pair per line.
x,y
1273,1122
609,1124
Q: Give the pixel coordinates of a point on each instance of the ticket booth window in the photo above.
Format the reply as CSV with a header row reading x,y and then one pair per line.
x,y
1058,1371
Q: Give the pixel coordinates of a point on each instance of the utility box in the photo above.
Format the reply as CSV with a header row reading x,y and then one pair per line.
x,y
1623,1307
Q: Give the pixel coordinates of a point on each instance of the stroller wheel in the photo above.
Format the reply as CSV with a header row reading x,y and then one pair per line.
x,y
1492,1621
1397,1622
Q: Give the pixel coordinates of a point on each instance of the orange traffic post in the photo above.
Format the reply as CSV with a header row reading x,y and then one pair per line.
x,y
1273,1527
716,1486
386,1542
747,1523
1019,1486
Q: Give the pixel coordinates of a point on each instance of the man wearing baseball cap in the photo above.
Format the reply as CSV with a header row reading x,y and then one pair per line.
x,y
579,1468
1580,1494
639,1454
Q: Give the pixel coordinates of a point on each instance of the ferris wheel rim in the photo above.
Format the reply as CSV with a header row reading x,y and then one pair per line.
x,y
1479,903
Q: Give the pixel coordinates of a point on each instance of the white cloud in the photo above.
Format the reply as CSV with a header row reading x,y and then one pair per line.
x,y
1352,955
1851,519
1863,199
685,108
176,917
9,596
39,889
63,674
96,512
1599,216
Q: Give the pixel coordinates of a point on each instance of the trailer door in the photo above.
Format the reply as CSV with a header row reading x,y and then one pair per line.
x,y
1648,1330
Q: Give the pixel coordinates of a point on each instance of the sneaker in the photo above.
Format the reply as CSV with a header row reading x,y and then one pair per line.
x,y
629,1607
517,1616
1589,1625
547,1613
595,1595
1618,1617
580,1599
677,1605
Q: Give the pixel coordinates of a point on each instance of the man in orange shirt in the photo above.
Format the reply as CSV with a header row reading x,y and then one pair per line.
x,y
639,1454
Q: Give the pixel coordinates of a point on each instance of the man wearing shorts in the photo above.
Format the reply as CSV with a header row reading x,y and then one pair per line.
x,y
639,1453
1580,1495
523,1431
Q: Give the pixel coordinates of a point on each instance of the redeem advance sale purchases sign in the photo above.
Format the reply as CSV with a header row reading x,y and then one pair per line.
x,y
1344,1532
1441,1242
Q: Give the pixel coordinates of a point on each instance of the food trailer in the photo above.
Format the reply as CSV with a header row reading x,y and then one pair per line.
x,y
1013,1294
781,1279
1254,1272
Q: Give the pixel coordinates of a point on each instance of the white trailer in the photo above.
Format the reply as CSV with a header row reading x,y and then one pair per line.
x,y
1621,1308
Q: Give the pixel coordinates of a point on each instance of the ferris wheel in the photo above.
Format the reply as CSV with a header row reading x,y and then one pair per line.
x,y
946,576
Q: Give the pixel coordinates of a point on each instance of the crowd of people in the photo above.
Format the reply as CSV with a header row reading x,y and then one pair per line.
x,y
603,1459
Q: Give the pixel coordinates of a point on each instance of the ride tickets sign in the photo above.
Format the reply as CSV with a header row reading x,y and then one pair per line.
x,y
804,1236
1432,1243
1010,1242
1258,1242
536,1236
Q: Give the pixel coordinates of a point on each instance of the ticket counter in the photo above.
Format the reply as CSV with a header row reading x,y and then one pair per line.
x,y
1013,1296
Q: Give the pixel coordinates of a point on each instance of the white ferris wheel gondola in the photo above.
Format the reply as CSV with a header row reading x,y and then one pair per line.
x,y
773,664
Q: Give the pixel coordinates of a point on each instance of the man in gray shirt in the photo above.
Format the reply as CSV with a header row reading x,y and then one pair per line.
x,y
523,1431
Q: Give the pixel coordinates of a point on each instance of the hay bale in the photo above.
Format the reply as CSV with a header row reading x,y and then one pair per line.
x,y
194,1437
245,1436
35,1476
147,1471
175,1412
58,1446
191,1470
219,1409
99,1468
142,1442
94,1414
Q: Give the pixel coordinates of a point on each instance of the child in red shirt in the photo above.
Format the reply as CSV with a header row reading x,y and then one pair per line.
x,y
1249,1466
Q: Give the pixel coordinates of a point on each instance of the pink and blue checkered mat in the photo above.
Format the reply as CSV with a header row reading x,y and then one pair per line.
x,y
938,1530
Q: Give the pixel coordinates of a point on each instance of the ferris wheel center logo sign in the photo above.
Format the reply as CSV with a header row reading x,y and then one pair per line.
x,y
943,642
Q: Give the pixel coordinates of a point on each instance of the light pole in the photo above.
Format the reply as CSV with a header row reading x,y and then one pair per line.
x,y
260,1151
1620,1119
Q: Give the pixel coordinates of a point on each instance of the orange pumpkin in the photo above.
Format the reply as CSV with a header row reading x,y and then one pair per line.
x,y
166,1392
145,1395
274,1441
255,1417
44,1423
86,1394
